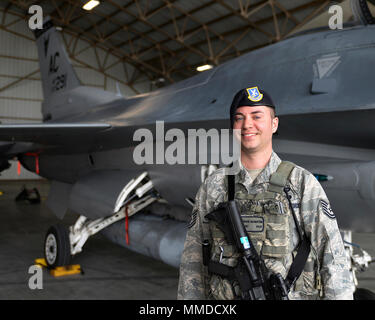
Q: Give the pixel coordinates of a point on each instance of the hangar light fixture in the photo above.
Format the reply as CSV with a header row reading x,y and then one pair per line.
x,y
90,5
205,67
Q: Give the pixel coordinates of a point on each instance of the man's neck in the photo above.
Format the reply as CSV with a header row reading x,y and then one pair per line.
x,y
257,160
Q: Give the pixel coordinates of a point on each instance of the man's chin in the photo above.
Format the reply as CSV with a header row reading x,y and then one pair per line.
x,y
249,147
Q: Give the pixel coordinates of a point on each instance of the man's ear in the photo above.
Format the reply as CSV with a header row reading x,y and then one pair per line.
x,y
275,124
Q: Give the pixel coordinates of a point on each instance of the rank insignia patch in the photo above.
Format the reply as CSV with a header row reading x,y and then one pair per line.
x,y
193,219
254,94
327,209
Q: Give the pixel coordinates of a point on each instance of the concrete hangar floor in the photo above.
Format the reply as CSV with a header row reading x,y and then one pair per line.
x,y
110,271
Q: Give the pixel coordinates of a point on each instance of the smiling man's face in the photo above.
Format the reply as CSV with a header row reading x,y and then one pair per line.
x,y
257,125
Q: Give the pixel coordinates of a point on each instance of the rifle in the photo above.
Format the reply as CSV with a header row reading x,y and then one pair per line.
x,y
255,280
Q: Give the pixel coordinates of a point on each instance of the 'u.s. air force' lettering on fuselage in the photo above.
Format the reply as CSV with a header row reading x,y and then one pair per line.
x,y
327,209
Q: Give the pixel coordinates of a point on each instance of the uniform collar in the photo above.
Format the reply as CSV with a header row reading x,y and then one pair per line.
x,y
243,177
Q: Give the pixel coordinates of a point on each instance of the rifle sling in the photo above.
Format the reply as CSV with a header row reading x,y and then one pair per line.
x,y
231,187
299,262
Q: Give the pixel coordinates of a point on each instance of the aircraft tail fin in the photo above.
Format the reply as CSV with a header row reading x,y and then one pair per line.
x,y
56,69
64,95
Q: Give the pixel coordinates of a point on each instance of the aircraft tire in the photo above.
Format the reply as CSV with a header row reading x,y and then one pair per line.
x,y
57,246
364,294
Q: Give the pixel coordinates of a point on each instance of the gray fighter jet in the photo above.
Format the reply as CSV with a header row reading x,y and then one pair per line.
x,y
321,80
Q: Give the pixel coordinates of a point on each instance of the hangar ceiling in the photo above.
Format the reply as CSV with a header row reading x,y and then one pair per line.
x,y
165,40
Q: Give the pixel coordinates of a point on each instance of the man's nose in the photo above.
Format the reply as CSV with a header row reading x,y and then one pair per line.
x,y
248,123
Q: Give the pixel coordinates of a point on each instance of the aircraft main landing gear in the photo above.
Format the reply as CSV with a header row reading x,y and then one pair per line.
x,y
57,246
358,263
61,244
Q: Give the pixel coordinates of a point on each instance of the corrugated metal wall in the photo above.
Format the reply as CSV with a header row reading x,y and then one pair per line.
x,y
20,87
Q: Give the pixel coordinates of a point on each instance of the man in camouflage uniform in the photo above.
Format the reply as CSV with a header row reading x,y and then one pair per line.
x,y
274,232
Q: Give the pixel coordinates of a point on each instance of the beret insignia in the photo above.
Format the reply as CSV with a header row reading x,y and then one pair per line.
x,y
254,94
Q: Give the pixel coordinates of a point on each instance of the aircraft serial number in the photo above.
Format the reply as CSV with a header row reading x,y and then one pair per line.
x,y
59,82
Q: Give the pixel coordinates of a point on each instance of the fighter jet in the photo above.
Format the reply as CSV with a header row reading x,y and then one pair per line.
x,y
321,81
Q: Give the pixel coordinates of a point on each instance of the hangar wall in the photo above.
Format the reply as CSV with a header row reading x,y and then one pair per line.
x,y
20,86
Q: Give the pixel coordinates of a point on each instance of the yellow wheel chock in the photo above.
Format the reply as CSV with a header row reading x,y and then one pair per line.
x,y
60,271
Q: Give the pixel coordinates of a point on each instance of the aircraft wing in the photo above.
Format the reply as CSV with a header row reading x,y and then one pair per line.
x,y
18,138
33,132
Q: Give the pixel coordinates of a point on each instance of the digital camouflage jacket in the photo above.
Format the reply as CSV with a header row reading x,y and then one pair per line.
x,y
326,274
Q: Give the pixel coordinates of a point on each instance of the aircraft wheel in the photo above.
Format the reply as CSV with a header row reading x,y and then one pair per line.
x,y
57,246
364,294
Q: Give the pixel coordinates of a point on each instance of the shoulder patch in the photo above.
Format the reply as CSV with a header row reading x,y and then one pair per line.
x,y
193,219
327,209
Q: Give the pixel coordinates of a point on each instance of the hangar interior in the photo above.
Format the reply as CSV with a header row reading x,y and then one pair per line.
x,y
133,47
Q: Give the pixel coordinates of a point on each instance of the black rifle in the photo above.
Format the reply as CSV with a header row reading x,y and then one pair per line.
x,y
255,280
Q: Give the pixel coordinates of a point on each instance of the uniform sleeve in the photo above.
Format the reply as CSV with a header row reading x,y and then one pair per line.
x,y
191,281
321,227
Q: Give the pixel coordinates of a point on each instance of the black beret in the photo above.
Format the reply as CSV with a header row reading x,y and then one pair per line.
x,y
250,97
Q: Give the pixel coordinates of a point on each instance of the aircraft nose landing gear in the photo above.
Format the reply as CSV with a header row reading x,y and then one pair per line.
x,y
57,246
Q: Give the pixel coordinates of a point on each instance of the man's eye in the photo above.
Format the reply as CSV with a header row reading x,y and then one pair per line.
x,y
238,118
